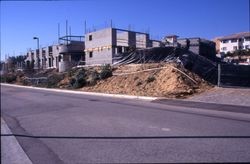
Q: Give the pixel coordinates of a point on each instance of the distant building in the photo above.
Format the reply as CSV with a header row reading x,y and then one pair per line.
x,y
170,40
43,58
238,41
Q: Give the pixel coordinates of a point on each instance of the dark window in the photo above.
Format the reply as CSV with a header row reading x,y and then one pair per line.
x,y
225,41
90,54
90,37
50,50
235,47
233,40
247,39
119,49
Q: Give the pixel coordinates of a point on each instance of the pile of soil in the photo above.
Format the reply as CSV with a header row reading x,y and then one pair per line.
x,y
166,82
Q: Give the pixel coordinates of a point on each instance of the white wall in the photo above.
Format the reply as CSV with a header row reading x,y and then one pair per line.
x,y
246,43
229,46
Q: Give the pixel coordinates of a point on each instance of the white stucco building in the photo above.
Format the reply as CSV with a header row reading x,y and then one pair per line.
x,y
238,41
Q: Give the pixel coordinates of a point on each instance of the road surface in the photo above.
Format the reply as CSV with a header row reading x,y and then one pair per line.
x,y
68,128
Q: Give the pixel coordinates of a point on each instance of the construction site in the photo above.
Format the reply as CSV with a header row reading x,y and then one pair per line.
x,y
121,61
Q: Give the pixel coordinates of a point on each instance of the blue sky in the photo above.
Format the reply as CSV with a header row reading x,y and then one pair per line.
x,y
21,20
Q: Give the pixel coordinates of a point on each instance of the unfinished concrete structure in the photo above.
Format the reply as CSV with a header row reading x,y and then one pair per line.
x,y
43,58
101,46
71,52
199,46
61,56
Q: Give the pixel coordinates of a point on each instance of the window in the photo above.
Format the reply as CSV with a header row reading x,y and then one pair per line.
x,y
119,50
234,47
225,41
90,54
224,48
90,37
233,40
247,39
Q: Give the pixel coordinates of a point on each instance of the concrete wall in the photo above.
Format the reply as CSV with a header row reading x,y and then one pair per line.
x,y
101,46
126,38
122,38
142,40
155,43
105,37
103,56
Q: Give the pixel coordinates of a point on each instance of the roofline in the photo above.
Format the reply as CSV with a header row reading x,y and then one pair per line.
x,y
221,39
247,34
119,29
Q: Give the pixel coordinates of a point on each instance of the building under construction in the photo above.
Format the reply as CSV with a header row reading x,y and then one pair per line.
x,y
111,46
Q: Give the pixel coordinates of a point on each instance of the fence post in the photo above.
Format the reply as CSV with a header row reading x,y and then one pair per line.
x,y
219,75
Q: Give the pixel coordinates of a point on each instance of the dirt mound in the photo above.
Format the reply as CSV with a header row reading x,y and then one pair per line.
x,y
162,80
156,79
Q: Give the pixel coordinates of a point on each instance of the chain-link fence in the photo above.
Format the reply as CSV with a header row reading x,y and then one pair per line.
x,y
233,75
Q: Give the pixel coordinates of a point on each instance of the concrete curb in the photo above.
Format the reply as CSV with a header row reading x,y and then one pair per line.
x,y
86,93
11,151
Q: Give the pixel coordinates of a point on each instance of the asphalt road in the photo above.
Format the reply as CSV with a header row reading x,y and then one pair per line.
x,y
71,128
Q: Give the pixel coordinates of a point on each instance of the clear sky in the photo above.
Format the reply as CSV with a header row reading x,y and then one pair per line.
x,y
21,20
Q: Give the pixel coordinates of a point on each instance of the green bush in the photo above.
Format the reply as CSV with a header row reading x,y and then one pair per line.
x,y
8,78
106,72
53,80
79,79
93,77
150,79
72,81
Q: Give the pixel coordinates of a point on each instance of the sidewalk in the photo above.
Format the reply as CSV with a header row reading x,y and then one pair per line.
x,y
11,151
229,96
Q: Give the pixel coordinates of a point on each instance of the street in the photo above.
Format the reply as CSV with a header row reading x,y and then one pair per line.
x,y
71,128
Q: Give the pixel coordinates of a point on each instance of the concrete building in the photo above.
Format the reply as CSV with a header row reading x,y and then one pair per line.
x,y
101,46
238,41
71,52
61,56
196,45
170,40
43,58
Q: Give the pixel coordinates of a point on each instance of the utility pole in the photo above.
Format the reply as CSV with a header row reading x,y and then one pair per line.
x,y
67,32
85,27
58,32
37,55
